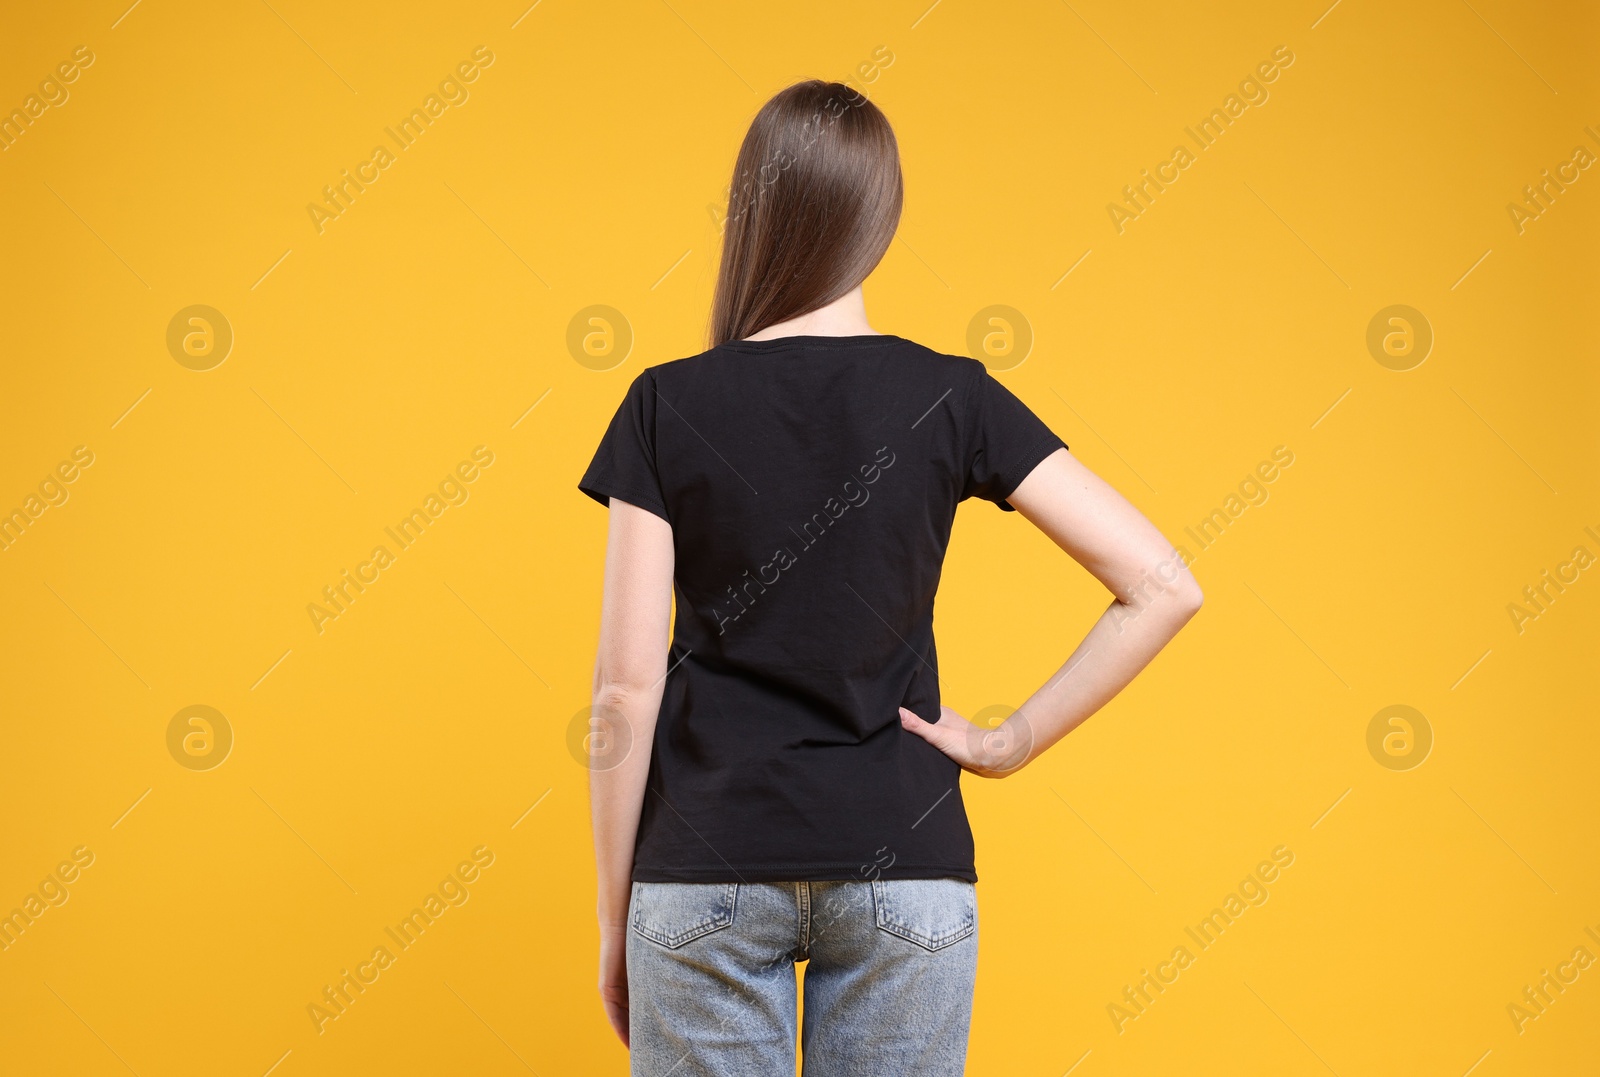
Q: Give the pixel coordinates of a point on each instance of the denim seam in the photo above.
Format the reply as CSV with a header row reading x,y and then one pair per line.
x,y
720,918
803,895
893,925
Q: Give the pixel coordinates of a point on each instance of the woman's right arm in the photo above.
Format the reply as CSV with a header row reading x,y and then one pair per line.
x,y
630,666
1154,596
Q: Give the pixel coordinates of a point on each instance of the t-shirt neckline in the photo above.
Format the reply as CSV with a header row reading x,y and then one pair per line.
x,y
809,340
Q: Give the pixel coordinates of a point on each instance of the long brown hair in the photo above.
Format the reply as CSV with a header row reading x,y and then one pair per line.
x,y
813,206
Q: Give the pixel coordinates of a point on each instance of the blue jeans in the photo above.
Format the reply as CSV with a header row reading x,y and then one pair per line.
x,y
888,983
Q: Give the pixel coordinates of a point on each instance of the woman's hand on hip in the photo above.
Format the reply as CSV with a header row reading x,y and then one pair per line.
x,y
989,752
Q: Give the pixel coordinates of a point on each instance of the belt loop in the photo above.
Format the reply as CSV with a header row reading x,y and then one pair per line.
x,y
802,892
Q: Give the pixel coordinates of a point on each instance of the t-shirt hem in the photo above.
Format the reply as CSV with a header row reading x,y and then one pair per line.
x,y
801,872
604,494
1035,456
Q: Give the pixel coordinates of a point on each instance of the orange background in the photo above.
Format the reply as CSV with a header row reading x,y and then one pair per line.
x,y
585,166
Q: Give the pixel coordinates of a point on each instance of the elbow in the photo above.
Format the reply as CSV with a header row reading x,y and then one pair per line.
x,y
621,676
1187,596
619,712
1179,599
1177,594
616,695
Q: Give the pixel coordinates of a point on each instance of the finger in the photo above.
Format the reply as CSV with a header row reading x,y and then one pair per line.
x,y
618,1017
910,720
936,735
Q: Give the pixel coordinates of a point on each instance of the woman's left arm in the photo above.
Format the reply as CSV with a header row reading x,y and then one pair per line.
x,y
629,670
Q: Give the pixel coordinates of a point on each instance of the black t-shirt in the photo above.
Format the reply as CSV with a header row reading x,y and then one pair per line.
x,y
811,483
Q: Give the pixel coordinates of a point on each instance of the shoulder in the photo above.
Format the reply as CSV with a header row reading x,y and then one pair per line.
x,y
912,361
964,376
646,383
689,366
912,351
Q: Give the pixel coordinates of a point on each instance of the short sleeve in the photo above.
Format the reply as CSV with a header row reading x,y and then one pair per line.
x,y
624,465
1005,442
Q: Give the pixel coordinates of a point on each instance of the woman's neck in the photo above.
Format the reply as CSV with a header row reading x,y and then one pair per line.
x,y
844,317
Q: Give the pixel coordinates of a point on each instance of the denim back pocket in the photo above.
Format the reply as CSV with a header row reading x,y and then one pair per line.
x,y
673,914
933,913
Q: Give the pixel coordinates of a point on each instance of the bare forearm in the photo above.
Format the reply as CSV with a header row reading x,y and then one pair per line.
x,y
1121,643
626,721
